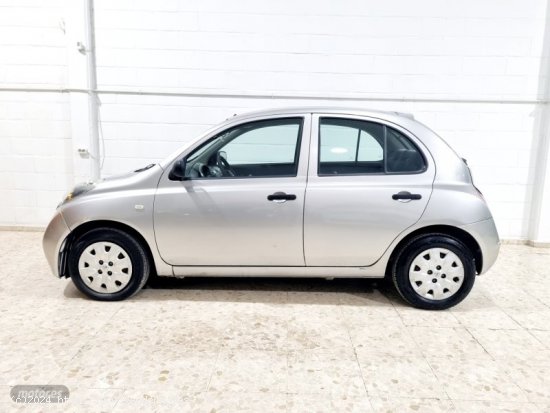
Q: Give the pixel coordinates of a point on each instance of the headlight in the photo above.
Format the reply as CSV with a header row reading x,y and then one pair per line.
x,y
77,190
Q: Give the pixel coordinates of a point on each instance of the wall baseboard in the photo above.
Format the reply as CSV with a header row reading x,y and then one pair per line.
x,y
23,228
514,241
531,243
538,244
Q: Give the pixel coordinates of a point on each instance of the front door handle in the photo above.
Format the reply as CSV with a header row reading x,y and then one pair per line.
x,y
281,197
406,195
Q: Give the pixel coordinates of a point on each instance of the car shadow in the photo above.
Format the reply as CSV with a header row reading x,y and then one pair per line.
x,y
264,290
357,292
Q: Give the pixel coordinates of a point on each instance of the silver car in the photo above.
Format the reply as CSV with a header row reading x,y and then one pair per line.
x,y
305,192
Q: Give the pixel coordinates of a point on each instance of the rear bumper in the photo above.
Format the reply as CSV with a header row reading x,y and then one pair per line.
x,y
55,235
486,235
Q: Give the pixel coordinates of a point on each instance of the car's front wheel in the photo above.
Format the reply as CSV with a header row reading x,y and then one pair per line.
x,y
434,272
108,264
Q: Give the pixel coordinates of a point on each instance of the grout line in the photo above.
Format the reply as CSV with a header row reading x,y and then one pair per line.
x,y
411,336
361,372
272,96
347,325
478,342
214,368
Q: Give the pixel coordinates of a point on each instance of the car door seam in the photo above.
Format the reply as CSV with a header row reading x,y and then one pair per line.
x,y
305,190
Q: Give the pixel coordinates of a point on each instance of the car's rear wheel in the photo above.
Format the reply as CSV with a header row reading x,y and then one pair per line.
x,y
434,272
108,264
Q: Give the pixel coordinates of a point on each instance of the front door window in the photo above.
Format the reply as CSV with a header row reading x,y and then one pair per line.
x,y
261,149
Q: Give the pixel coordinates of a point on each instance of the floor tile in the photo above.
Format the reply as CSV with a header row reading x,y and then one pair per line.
x,y
411,405
87,400
476,379
512,344
450,343
320,403
492,318
424,318
542,336
250,371
515,299
330,336
256,333
536,320
155,368
361,307
496,407
241,402
315,372
534,379
387,376
382,338
155,401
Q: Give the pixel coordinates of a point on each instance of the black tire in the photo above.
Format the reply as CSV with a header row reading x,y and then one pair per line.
x,y
136,253
402,265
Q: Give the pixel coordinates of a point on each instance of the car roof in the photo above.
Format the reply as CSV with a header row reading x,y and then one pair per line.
x,y
388,115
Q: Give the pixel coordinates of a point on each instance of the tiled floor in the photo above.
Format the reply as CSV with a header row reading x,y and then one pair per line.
x,y
227,345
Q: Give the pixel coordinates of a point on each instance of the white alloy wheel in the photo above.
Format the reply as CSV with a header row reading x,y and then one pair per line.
x,y
436,274
105,267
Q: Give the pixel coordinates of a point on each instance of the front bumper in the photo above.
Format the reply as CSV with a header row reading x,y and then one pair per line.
x,y
486,235
56,233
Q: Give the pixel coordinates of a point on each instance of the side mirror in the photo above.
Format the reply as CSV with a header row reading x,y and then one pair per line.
x,y
178,171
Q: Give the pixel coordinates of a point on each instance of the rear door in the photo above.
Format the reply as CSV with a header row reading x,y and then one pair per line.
x,y
367,182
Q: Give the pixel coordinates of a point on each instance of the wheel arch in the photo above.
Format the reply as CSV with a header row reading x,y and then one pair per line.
x,y
90,225
455,232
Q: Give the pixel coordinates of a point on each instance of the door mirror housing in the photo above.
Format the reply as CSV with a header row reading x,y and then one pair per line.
x,y
178,171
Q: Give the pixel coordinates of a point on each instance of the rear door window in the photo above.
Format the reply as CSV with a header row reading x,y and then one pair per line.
x,y
355,147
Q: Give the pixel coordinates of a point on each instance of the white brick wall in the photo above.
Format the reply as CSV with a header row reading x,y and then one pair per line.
x,y
35,156
399,51
35,143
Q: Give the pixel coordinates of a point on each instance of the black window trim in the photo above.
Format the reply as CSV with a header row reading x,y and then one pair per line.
x,y
357,146
301,120
384,128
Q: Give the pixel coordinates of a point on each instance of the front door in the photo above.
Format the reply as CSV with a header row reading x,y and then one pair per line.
x,y
367,183
243,201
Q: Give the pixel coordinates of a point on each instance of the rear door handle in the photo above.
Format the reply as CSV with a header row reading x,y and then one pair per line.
x,y
406,195
281,197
